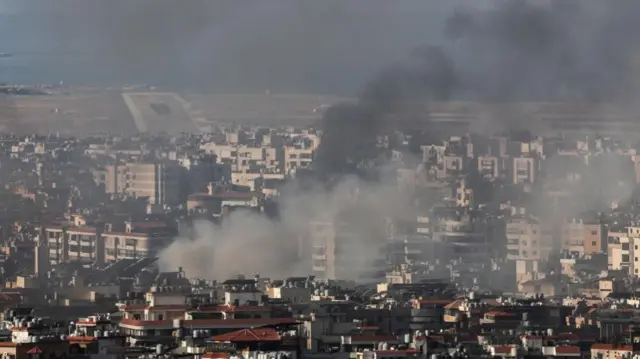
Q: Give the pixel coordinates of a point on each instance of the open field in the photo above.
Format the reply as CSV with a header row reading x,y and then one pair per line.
x,y
261,109
130,112
159,112
69,115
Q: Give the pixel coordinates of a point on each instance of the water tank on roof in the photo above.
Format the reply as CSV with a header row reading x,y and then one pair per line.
x,y
107,333
196,334
435,356
407,338
159,349
177,323
98,333
550,332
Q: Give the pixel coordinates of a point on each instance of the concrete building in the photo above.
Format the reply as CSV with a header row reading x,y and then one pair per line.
x,y
461,239
159,182
98,245
489,167
524,170
344,245
295,157
137,240
582,238
527,239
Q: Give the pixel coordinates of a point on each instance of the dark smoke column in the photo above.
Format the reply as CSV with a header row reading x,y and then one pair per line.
x,y
395,95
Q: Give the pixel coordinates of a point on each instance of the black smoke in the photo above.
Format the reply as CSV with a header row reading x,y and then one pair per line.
x,y
350,131
530,51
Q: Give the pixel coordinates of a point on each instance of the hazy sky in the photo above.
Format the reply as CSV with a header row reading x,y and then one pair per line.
x,y
238,45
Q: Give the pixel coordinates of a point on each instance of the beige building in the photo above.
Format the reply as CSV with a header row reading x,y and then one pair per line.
x,y
159,182
297,158
582,238
623,250
138,240
97,245
527,239
243,158
524,170
489,167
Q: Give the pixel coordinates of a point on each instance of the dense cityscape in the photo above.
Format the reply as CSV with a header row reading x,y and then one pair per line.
x,y
479,200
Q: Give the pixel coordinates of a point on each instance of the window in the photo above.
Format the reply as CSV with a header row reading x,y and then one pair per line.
x,y
594,233
625,258
131,241
594,243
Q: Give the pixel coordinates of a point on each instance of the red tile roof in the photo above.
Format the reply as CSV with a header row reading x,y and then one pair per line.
x,y
249,335
215,355
82,339
502,349
599,346
210,322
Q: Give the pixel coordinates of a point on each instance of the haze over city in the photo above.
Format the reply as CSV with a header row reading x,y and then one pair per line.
x,y
309,179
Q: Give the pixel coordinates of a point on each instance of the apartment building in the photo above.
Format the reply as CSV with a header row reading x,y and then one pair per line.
x,y
295,157
159,182
527,239
137,240
85,245
244,158
322,238
489,167
615,240
524,170
461,239
347,245
580,238
95,244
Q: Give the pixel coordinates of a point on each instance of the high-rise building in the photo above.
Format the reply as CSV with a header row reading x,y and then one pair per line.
x,y
159,182
349,246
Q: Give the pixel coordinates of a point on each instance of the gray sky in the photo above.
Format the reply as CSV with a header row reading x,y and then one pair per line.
x,y
238,45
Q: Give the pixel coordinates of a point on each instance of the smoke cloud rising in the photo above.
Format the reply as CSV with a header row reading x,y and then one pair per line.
x,y
248,243
554,50
501,51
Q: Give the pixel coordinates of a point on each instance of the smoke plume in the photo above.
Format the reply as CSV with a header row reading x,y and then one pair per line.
x,y
513,51
247,242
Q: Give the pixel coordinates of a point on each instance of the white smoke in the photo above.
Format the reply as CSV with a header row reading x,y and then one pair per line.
x,y
249,243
